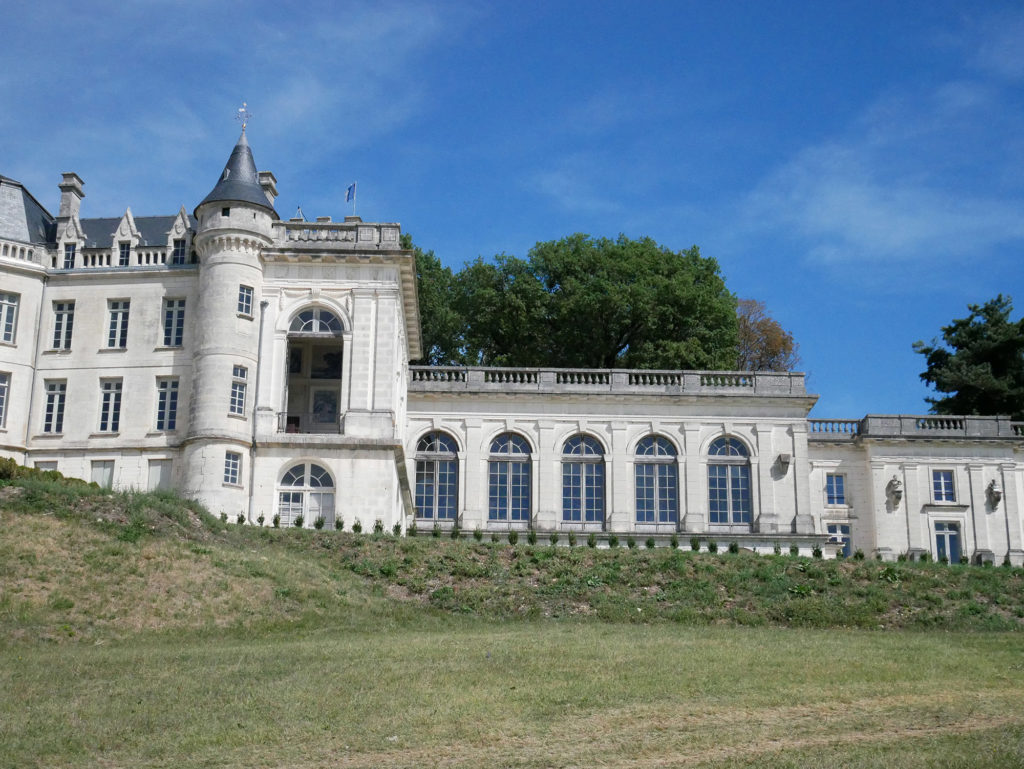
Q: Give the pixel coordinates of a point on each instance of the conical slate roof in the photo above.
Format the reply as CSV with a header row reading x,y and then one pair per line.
x,y
239,181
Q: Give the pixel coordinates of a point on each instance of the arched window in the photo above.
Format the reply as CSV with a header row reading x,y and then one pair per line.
x,y
316,321
307,490
437,477
508,479
729,482
657,487
582,480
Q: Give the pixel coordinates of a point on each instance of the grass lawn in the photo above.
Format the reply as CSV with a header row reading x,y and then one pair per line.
x,y
471,693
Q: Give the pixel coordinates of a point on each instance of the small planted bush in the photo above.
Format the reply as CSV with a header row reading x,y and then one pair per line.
x,y
223,517
591,540
513,537
794,550
734,547
572,539
816,552
712,546
674,542
240,519
649,544
378,526
260,519
613,541
531,537
318,522
397,529
276,521
858,554
553,538
339,524
357,526
412,531
478,534
456,532
494,536
777,549
695,544
436,531
630,543
297,523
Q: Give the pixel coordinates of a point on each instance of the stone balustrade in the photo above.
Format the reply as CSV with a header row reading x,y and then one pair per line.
x,y
24,252
914,426
477,379
353,233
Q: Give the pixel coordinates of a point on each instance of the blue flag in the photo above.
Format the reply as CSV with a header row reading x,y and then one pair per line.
x,y
350,193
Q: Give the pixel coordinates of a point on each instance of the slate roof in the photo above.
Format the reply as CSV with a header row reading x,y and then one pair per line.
x,y
239,182
99,233
21,216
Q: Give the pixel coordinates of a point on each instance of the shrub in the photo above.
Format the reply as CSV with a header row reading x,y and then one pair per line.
x,y
858,554
456,532
613,541
318,522
630,542
964,559
777,549
223,517
816,552
412,531
378,526
591,540
531,537
734,547
943,559
297,523
436,531
695,544
553,538
674,542
572,539
240,518
901,557
712,546
513,537
339,524
397,529
260,519
494,536
478,534
794,550
357,526
649,544
276,521
925,557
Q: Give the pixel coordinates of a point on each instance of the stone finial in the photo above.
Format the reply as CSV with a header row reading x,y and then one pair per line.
x,y
71,195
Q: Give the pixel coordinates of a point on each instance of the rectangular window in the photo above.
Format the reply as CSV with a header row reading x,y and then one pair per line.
x,y
232,464
942,486
245,300
124,254
835,489
237,405
117,334
166,404
69,255
9,317
53,420
5,385
174,322
63,324
46,466
110,405
160,474
840,533
103,473
947,542
178,251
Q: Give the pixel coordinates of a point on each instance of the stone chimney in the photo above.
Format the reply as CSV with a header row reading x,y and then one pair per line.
x,y
71,195
269,184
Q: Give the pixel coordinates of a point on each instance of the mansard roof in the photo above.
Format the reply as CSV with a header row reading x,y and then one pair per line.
x,y
239,182
21,215
153,230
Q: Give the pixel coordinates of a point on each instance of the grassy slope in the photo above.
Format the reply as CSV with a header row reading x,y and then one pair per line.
x,y
316,649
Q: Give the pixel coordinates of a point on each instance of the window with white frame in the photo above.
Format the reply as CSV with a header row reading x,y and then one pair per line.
x,y
174,322
53,417
166,404
656,481
69,255
839,533
729,499
124,254
63,324
110,405
582,480
232,467
9,317
306,490
316,321
117,331
508,479
5,391
245,300
942,486
835,489
437,477
238,376
947,541
178,251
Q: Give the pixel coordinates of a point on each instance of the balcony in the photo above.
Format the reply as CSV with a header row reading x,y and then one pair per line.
x,y
912,426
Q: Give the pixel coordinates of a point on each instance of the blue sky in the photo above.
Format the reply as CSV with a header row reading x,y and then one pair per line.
x,y
857,166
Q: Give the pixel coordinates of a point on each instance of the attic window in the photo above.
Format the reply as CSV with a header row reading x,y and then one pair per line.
x,y
225,212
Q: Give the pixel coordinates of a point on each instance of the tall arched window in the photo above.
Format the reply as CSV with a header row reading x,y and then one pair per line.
x,y
314,393
657,487
729,482
307,490
508,479
437,477
582,480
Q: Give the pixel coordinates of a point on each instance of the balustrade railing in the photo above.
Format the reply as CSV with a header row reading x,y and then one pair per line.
x,y
833,428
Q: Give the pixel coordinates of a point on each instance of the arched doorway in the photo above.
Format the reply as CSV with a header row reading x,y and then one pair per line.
x,y
316,360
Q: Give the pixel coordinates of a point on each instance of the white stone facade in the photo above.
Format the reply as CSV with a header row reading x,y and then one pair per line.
x,y
261,366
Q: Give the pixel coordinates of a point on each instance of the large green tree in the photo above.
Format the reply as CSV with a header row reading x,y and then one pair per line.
x,y
980,362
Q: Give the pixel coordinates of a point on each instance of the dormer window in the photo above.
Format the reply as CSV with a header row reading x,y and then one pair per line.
x,y
178,252
69,255
124,254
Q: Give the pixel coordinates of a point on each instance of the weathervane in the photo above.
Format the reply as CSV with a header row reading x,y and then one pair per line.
x,y
244,115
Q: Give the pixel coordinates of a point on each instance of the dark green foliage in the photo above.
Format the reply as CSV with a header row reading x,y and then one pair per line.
x,y
260,519
436,531
979,363
224,517
318,522
531,537
396,530
455,532
513,537
378,526
240,519
794,550
276,521
357,526
631,542
858,554
712,546
591,540
695,544
297,523
478,534
572,539
649,543
613,541
816,552
339,524
734,547
553,538
674,542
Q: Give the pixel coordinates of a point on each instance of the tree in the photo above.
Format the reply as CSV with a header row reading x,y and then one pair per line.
x,y
980,361
440,322
598,303
764,345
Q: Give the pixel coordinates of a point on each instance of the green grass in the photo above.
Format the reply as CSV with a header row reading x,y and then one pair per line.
x,y
136,630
